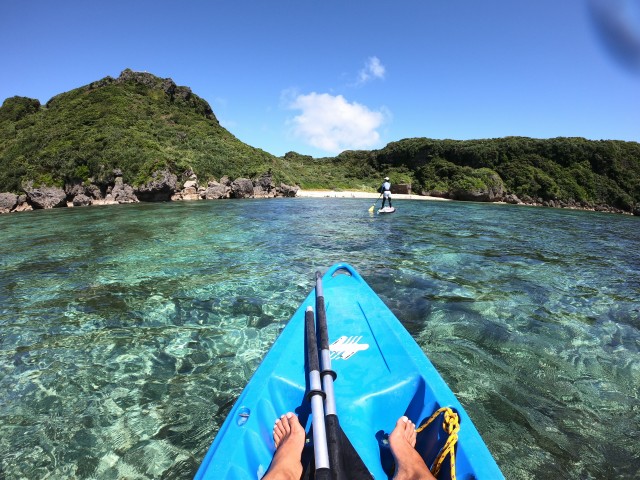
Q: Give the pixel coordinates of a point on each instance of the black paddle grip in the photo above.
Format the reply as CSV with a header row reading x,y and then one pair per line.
x,y
323,332
312,344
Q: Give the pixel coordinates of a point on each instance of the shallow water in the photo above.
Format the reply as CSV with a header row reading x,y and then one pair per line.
x,y
127,332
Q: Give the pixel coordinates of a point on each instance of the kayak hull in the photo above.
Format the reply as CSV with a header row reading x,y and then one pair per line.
x,y
382,374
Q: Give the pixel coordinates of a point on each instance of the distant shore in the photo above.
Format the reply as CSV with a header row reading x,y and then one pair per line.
x,y
399,196
353,194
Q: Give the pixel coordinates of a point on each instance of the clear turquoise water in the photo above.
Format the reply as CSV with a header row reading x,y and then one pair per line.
x,y
126,332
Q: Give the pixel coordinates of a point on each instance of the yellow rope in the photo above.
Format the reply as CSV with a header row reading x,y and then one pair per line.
x,y
451,425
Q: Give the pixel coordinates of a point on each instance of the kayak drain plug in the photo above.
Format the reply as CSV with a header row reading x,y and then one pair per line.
x,y
243,416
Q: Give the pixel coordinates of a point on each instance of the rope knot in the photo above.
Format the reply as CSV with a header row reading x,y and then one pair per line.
x,y
451,425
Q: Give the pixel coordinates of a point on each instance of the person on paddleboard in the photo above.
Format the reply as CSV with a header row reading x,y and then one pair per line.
x,y
385,190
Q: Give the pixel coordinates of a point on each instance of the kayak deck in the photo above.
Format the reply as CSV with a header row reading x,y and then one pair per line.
x,y
382,374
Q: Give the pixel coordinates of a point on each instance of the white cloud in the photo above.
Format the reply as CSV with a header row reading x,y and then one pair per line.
x,y
373,69
333,124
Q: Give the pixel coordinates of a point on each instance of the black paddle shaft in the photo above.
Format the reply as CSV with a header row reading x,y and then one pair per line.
x,y
321,314
312,345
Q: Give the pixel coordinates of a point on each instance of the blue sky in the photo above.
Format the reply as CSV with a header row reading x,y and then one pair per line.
x,y
319,77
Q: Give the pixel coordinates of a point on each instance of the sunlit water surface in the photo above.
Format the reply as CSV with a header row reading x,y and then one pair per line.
x,y
127,332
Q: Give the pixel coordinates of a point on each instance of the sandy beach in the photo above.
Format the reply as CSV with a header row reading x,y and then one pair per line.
x,y
353,194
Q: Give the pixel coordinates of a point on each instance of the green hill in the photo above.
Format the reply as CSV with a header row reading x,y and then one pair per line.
x,y
573,170
140,124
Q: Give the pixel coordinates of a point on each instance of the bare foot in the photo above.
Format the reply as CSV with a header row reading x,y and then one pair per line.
x,y
288,436
409,463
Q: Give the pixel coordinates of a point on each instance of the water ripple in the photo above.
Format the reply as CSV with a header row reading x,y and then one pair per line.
x,y
127,332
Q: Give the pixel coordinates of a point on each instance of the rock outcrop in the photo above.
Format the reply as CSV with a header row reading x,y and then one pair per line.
x,y
261,187
288,191
94,192
80,195
46,197
489,189
190,188
160,188
8,201
72,190
121,192
163,186
81,200
23,205
401,188
513,199
216,191
241,188
264,187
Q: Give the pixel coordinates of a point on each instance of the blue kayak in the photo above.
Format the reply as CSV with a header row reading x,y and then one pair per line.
x,y
382,374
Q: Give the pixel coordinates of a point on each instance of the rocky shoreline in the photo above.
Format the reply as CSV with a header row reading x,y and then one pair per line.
x,y
165,186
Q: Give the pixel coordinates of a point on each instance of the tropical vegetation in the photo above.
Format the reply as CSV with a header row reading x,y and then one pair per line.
x,y
139,124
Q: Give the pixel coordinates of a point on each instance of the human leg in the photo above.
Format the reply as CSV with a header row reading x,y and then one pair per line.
x,y
386,196
409,463
288,435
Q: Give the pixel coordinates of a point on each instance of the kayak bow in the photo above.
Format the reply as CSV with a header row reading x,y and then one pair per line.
x,y
382,374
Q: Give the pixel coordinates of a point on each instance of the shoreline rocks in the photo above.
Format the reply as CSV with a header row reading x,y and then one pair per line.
x,y
121,192
8,201
45,197
162,187
241,188
217,190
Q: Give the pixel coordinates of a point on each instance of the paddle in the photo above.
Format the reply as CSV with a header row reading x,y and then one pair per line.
x,y
316,395
374,204
345,461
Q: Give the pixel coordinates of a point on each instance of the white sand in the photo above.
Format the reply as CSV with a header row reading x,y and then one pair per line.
x,y
350,194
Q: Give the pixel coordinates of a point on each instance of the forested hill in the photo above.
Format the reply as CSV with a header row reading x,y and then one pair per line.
x,y
563,171
137,123
140,124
